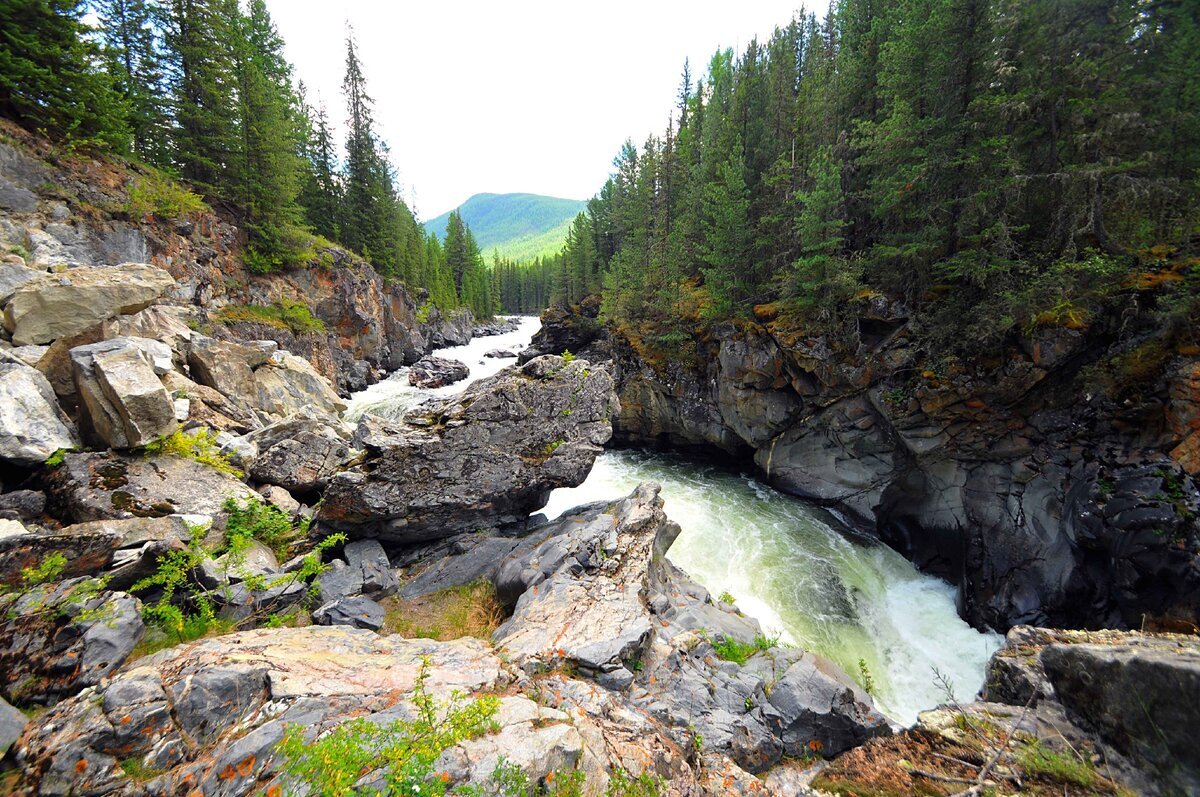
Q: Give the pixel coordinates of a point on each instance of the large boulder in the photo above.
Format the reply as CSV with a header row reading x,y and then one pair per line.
x,y
12,723
32,426
100,486
60,305
299,454
121,394
488,457
432,372
272,383
57,639
1139,694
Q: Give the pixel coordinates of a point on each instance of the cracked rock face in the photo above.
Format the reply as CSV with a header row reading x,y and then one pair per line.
x,y
487,457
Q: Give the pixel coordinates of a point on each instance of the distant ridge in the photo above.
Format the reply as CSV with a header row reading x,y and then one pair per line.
x,y
519,226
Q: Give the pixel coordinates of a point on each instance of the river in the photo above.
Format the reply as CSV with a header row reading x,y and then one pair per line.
x,y
786,563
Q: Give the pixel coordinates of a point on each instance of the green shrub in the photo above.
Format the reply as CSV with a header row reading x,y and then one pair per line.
x,y
267,523
730,649
286,314
157,194
1038,760
423,312
725,597
199,445
57,458
567,357
864,673
403,751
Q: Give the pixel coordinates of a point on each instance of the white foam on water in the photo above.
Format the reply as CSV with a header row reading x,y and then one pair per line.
x,y
782,560
392,397
787,566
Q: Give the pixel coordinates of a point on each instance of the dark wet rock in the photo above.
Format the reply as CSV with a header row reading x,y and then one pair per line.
x,y
99,486
1040,508
472,558
500,326
369,559
432,372
339,580
490,456
57,639
23,504
499,354
566,329
357,612
1141,695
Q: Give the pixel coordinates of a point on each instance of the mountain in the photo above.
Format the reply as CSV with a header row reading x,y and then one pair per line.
x,y
520,226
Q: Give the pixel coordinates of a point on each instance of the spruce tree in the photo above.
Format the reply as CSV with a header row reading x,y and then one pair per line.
x,y
48,75
130,30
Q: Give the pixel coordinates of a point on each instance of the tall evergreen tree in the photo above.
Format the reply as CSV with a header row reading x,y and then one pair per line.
x,y
133,50
48,74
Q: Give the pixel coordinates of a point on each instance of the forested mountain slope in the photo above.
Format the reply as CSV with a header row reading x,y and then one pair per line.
x,y
517,226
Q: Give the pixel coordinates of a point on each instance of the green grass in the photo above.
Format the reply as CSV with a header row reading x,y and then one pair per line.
x,y
285,314
730,649
1040,761
200,445
518,226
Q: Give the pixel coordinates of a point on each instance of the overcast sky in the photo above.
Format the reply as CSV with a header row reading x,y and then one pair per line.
x,y
513,96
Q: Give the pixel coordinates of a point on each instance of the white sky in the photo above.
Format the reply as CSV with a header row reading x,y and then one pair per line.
x,y
524,95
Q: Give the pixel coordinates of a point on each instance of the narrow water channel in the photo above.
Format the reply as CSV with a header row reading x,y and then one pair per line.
x,y
786,563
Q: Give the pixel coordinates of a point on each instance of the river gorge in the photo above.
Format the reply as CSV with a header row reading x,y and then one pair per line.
x,y
806,576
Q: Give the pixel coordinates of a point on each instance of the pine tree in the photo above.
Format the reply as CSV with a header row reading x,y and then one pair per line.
x,y
48,75
267,176
321,190
200,37
133,52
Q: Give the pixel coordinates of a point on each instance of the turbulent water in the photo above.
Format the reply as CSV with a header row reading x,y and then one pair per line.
x,y
394,396
786,565
784,562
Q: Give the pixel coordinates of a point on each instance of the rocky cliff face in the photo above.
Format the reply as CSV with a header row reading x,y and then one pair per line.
x,y
65,212
1043,501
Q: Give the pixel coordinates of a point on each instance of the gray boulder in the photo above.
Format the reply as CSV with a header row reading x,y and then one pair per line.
x,y
60,305
32,426
431,372
12,724
298,454
13,276
23,504
1141,695
273,383
120,392
357,612
100,486
499,354
490,456
58,639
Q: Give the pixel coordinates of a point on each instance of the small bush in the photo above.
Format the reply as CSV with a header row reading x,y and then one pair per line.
x,y
730,649
286,314
864,674
423,312
1040,761
266,523
199,445
404,752
157,194
725,597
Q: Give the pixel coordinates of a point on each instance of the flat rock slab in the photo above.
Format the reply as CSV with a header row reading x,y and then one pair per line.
x,y
66,303
99,486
